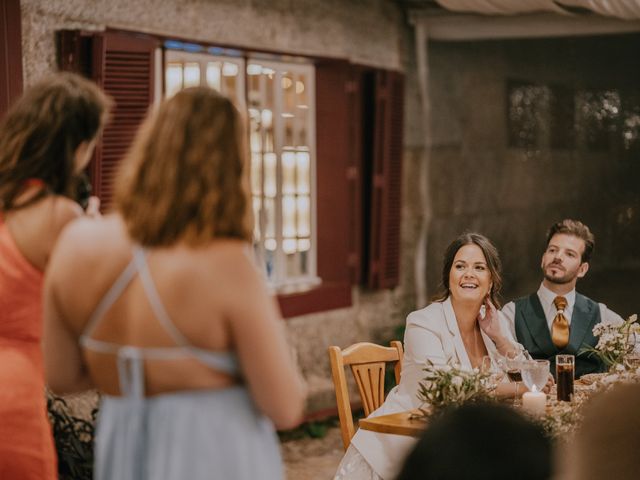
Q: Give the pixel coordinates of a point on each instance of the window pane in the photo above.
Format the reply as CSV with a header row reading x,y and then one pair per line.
x,y
303,175
288,173
304,216
213,75
270,187
256,218
191,74
230,80
256,173
270,221
173,78
289,216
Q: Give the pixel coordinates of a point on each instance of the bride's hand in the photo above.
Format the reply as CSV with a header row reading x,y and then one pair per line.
x,y
490,323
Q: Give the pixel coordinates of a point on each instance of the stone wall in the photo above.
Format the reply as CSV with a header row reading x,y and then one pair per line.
x,y
480,183
307,27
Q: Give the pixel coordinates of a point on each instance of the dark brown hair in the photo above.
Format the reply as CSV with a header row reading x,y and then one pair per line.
x,y
185,178
40,134
577,229
491,256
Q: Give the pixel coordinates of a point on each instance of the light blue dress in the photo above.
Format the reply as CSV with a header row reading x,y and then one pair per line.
x,y
190,434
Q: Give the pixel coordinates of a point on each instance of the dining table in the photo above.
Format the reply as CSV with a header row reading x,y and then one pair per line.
x,y
402,423
412,423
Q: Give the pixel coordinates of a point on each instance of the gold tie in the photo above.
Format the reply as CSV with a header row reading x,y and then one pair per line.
x,y
560,326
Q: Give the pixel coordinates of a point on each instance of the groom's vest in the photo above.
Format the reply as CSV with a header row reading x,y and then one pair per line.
x,y
532,331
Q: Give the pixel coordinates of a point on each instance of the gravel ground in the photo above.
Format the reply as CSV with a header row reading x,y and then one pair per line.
x,y
313,458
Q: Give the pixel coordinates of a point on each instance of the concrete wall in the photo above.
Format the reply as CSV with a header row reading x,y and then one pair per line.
x,y
308,27
477,182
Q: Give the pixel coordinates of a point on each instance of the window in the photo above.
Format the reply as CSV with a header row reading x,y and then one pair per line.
x,y
325,170
280,107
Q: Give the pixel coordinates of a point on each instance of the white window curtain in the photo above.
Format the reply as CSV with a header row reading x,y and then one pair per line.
x,y
624,9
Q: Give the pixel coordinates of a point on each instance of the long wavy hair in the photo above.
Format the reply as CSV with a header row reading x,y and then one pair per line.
x,y
491,256
185,178
40,134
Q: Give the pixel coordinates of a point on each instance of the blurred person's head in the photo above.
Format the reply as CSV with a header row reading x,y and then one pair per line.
x,y
48,135
185,179
606,444
480,442
485,267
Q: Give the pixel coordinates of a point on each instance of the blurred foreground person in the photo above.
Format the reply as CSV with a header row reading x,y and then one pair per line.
x,y
607,442
46,139
162,309
480,442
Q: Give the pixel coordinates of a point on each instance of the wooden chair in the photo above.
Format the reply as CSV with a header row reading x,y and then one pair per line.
x,y
367,362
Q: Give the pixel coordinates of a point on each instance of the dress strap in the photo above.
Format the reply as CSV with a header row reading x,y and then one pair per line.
x,y
140,259
108,300
131,372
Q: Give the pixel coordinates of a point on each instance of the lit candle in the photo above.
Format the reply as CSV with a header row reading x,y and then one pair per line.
x,y
534,402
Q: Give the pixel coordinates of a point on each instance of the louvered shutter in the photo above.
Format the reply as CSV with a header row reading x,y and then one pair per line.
x,y
124,66
10,53
384,247
332,117
354,172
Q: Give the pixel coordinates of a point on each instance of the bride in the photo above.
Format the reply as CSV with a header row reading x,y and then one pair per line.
x,y
453,327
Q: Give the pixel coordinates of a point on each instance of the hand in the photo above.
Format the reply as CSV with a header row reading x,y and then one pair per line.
x,y
549,384
93,207
490,323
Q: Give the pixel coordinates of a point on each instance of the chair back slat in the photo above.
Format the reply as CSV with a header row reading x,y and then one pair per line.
x,y
367,362
370,381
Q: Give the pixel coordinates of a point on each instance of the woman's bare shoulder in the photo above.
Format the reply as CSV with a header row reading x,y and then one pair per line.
x,y
92,237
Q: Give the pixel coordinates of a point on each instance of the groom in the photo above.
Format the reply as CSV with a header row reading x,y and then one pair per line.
x,y
556,319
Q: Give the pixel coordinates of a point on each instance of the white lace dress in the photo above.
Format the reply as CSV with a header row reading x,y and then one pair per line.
x,y
354,467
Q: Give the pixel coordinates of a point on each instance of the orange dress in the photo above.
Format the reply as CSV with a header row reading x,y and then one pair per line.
x,y
26,442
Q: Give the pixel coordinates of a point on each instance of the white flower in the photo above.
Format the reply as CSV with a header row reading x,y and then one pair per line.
x,y
456,381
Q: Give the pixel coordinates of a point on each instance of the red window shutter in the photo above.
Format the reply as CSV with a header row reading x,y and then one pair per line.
x,y
10,53
354,173
124,66
384,247
332,140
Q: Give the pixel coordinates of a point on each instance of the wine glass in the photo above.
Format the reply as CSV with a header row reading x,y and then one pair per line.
x,y
513,361
494,373
535,374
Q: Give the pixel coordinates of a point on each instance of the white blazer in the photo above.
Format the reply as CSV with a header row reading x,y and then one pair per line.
x,y
432,333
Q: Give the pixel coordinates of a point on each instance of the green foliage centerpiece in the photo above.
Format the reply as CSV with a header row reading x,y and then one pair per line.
x,y
449,385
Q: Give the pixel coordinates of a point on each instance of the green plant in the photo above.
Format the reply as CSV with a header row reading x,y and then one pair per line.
x,y
73,440
450,386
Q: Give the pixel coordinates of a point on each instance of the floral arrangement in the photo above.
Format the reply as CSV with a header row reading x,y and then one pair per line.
x,y
616,340
449,385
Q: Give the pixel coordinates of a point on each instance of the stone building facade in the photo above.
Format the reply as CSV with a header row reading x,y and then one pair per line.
x,y
463,167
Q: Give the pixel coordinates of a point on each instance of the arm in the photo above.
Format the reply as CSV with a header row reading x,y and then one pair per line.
x,y
259,339
498,327
64,366
423,340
